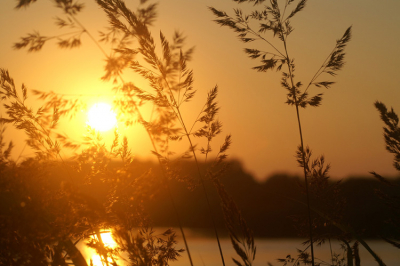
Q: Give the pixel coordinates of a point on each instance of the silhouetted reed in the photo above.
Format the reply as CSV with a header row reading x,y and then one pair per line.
x,y
252,27
391,134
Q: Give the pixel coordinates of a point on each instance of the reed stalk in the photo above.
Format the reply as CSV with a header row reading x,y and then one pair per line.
x,y
271,18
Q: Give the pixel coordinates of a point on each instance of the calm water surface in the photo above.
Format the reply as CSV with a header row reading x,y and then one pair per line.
x,y
204,251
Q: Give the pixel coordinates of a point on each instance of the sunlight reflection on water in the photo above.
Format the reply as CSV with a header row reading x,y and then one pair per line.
x,y
90,254
205,252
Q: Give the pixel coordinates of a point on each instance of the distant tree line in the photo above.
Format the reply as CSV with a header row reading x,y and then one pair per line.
x,y
271,207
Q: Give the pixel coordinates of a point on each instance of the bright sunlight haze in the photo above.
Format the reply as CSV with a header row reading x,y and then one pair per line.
x,y
101,117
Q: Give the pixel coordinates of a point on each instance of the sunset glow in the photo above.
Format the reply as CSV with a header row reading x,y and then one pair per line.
x,y
101,117
84,67
132,132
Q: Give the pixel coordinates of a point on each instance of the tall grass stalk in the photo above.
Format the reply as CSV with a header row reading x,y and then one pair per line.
x,y
391,135
176,107
117,8
271,18
165,90
296,103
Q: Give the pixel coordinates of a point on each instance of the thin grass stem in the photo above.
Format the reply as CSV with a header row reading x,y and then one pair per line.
x,y
319,72
180,118
265,40
302,151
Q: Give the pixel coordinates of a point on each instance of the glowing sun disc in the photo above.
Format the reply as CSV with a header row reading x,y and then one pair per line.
x,y
101,117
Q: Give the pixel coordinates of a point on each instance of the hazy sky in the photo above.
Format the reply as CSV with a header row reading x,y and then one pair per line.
x,y
346,128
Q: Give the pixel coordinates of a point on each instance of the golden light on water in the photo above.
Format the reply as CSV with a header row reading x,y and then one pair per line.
x,y
101,117
108,241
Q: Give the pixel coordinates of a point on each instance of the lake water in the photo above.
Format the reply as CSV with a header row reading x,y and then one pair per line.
x,y
204,251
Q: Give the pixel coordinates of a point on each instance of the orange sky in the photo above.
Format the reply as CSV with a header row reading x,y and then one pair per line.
x,y
346,128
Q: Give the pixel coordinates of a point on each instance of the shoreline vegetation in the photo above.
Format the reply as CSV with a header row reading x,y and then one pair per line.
x,y
365,210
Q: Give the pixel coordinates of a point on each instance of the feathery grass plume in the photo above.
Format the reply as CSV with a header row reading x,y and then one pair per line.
x,y
168,76
326,196
327,200
328,205
271,18
241,236
38,125
211,127
161,129
70,40
391,134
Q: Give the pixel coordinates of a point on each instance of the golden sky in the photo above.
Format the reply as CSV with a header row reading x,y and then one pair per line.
x,y
346,128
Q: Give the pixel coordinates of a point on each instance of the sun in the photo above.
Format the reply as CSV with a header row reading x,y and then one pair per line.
x,y
101,117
